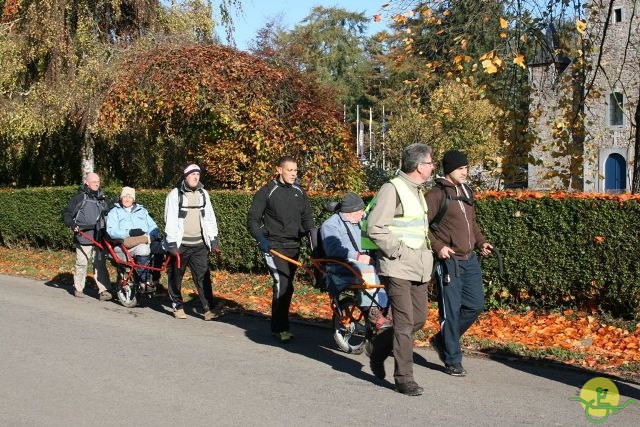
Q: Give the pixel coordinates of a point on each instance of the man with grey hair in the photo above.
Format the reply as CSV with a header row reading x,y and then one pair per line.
x,y
398,225
86,212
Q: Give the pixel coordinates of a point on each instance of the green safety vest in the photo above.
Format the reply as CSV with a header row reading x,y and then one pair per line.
x,y
412,227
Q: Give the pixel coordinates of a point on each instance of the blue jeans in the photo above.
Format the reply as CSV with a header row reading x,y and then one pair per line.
x,y
460,302
339,278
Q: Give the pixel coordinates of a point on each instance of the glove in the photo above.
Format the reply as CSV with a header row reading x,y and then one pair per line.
x,y
136,232
172,248
263,243
214,245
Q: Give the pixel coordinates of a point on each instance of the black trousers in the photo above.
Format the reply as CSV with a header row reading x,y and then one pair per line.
x,y
197,259
282,273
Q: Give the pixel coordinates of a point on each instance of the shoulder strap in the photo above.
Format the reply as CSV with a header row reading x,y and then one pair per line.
x,y
353,241
80,205
182,213
444,205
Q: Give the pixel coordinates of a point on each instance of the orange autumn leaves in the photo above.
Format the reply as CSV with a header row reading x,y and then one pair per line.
x,y
604,346
595,345
557,195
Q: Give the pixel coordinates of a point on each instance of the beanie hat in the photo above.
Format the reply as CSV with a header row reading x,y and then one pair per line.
x,y
128,191
452,160
351,202
190,169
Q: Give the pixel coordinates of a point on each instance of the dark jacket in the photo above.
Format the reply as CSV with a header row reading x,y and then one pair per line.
x,y
458,229
86,210
280,212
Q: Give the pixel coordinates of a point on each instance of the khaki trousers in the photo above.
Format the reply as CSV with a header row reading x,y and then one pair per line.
x,y
100,273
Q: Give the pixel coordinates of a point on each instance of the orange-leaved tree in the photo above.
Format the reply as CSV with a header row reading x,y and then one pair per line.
x,y
227,110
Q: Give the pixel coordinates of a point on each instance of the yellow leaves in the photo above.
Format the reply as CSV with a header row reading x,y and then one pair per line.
x,y
490,62
503,23
400,19
581,26
519,61
489,67
503,35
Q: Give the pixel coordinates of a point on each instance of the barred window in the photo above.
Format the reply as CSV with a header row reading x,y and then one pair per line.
x,y
616,118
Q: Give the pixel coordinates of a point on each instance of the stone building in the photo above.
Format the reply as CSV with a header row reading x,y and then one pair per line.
x,y
587,146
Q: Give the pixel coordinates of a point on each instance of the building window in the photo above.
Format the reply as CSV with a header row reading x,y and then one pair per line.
x,y
615,109
617,15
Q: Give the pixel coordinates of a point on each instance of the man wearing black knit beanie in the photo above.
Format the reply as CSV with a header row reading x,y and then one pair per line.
x,y
454,235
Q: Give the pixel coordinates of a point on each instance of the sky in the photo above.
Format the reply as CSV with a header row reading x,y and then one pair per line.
x,y
257,12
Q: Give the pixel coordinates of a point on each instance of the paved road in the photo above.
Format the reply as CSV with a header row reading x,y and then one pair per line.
x,y
67,361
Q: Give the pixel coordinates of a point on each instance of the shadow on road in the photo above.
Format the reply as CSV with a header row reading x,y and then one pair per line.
x,y
316,342
566,374
309,341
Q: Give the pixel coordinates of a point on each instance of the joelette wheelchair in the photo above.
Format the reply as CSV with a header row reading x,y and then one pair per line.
x,y
352,329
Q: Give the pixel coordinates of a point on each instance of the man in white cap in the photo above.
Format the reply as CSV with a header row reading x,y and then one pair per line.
x,y
191,230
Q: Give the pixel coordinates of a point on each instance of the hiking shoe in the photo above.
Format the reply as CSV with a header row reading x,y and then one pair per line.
x,y
455,370
149,287
284,336
105,296
78,294
436,343
377,368
179,314
210,315
410,388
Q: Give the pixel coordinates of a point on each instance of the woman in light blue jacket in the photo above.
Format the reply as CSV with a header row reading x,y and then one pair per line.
x,y
129,219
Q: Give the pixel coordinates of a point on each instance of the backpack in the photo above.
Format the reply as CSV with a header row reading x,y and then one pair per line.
x,y
444,205
366,244
182,211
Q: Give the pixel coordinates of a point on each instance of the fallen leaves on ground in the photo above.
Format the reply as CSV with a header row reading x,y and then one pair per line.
x,y
573,338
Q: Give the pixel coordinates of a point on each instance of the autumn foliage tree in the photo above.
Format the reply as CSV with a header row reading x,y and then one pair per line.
x,y
227,110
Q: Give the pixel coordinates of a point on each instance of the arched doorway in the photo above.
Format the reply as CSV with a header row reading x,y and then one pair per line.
x,y
615,174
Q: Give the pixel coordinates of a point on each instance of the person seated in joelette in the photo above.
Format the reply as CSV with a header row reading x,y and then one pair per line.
x,y
341,238
131,222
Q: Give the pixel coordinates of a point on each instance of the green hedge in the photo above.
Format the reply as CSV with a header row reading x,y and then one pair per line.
x,y
571,252
33,217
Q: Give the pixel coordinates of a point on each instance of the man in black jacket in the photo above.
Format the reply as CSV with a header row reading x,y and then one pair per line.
x,y
86,212
279,216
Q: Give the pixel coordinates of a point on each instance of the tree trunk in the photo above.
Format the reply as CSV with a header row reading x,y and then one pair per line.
x,y
86,156
635,183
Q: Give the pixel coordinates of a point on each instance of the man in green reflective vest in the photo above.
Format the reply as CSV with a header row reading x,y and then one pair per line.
x,y
398,225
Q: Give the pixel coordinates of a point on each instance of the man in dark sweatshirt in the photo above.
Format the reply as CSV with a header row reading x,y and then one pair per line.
x,y
454,237
279,216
